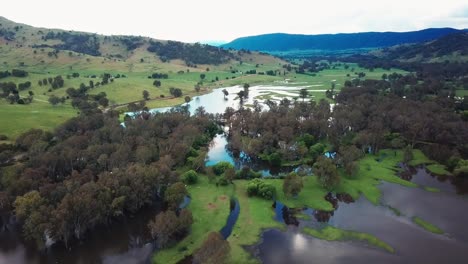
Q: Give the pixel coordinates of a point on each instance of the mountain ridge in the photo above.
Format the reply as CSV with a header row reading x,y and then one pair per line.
x,y
339,41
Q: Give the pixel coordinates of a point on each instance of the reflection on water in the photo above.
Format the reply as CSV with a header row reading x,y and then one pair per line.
x,y
218,151
127,240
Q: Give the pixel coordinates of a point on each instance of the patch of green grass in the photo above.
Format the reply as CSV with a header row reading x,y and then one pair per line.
x,y
16,119
371,172
303,216
431,189
210,209
331,233
312,195
427,226
419,158
461,93
256,214
438,169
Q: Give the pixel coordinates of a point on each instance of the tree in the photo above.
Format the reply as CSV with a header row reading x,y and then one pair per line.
x,y
54,100
174,194
157,83
349,156
241,95
146,94
230,174
187,99
326,172
246,89
190,177
226,93
292,184
167,226
303,93
202,76
214,250
407,154
220,167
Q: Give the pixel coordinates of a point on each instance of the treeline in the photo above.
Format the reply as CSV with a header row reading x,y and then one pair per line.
x,y
92,170
192,54
369,116
14,73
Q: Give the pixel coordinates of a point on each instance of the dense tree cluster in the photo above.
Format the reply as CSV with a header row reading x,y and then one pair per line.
x,y
77,42
92,169
131,42
287,132
192,54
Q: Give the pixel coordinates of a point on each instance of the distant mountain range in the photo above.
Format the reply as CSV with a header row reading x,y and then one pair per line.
x,y
280,42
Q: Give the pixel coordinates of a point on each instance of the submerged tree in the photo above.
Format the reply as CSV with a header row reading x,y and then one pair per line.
x,y
226,93
303,93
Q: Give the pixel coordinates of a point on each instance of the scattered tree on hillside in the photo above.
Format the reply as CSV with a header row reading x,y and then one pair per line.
x,y
146,95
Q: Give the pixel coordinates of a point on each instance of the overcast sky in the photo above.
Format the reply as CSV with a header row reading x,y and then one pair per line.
x,y
202,20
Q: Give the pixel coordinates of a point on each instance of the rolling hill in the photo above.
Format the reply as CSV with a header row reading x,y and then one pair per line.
x,y
122,67
274,43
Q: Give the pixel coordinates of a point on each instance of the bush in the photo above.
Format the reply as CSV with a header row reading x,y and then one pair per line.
x,y
190,177
247,173
260,188
220,167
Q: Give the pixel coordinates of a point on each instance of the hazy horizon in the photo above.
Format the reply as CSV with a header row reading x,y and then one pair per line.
x,y
210,21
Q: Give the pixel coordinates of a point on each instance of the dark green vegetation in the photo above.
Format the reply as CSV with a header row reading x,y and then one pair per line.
x,y
337,42
428,226
92,170
331,233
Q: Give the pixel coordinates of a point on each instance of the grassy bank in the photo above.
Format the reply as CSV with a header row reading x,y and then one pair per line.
x,y
427,226
331,233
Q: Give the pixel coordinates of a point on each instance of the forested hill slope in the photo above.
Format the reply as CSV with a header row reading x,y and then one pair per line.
x,y
288,42
452,47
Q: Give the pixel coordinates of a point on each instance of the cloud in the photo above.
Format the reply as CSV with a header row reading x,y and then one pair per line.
x,y
190,20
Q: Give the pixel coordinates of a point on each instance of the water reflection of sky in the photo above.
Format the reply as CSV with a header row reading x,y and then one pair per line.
x,y
218,151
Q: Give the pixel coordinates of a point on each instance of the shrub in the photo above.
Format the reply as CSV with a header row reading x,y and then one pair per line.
x,y
220,167
260,188
190,177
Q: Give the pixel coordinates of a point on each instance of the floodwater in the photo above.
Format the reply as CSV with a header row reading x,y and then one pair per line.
x,y
127,240
232,218
412,243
